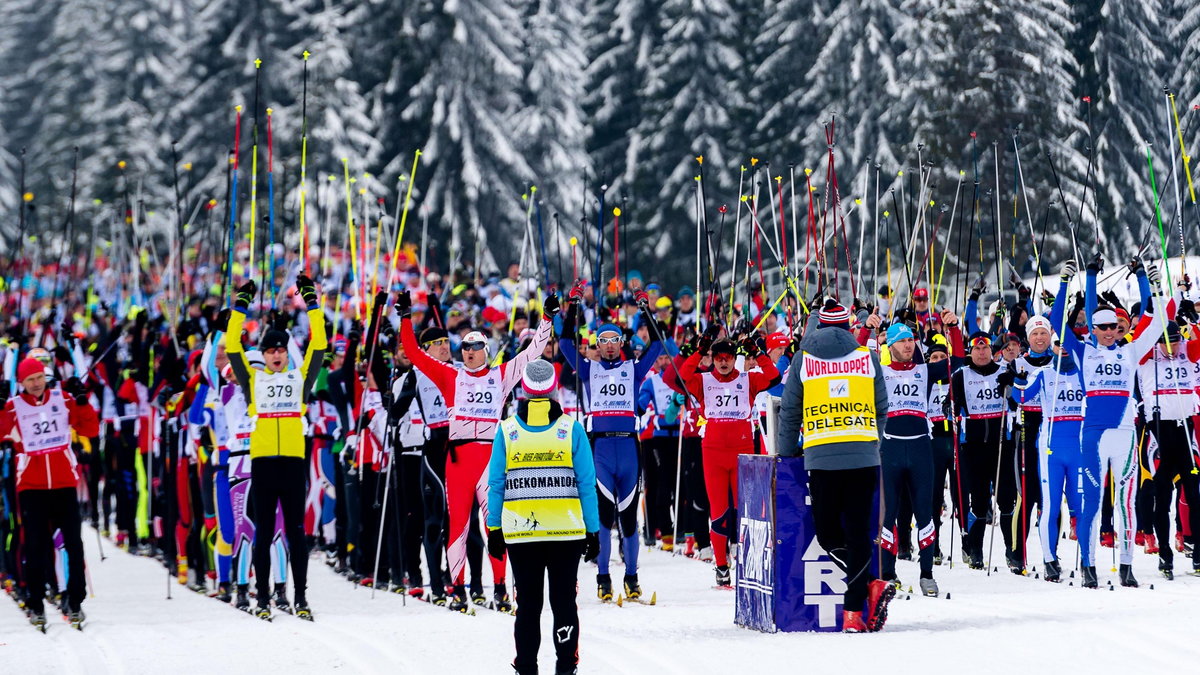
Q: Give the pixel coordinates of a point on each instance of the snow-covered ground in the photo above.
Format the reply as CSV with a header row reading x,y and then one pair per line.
x,y
996,624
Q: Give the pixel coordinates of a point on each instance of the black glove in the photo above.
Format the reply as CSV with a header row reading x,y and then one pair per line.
x,y
1096,265
222,322
747,345
496,546
1135,264
551,305
689,347
74,387
404,305
707,339
62,354
307,290
591,546
245,295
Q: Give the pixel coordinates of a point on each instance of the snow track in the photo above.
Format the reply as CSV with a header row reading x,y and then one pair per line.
x,y
991,624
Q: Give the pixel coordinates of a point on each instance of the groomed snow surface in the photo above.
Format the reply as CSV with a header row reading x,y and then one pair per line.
x,y
990,624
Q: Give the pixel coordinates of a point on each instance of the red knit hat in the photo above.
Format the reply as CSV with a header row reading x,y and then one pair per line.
x,y
28,368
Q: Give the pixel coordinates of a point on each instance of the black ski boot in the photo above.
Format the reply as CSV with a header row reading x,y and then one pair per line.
x,y
500,601
223,593
1167,568
263,611
243,597
437,595
1127,578
1089,577
975,560
279,597
477,597
633,591
458,601
604,587
301,609
76,617
38,620
724,579
1015,564
1053,571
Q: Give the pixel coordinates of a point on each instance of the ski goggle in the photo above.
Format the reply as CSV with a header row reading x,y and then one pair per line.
x,y
441,341
609,340
473,346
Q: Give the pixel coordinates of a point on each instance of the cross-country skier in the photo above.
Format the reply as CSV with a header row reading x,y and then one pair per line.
x,y
1108,426
541,465
47,477
475,395
275,399
611,384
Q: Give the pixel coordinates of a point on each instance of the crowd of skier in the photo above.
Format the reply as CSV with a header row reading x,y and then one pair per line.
x,y
401,427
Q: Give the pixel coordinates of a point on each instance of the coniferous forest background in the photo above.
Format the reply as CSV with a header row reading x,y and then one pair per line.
x,y
571,95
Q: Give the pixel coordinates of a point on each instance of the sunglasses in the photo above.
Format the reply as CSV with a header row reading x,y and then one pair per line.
x,y
473,346
439,341
609,340
1106,326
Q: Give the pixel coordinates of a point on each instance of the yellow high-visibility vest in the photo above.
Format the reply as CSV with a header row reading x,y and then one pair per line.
x,y
839,399
541,494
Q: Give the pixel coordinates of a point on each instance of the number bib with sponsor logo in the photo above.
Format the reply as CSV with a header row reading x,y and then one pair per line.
x,y
839,399
907,391
433,406
938,395
984,398
44,428
478,398
1107,372
726,401
278,394
1167,387
611,390
1067,393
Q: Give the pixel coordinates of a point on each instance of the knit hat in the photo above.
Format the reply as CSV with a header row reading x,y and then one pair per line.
x,y
539,378
28,368
724,347
1170,333
920,294
777,340
899,331
833,314
1121,314
608,328
474,337
979,337
433,334
1038,322
273,339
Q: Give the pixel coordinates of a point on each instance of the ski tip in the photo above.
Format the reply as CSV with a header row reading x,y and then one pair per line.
x,y
654,597
620,600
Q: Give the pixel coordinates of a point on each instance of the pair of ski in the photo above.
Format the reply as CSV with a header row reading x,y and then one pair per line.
x,y
623,600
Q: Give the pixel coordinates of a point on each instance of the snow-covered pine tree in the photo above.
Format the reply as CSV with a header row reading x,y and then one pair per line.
x,y
549,128
690,91
474,173
991,67
1130,110
619,37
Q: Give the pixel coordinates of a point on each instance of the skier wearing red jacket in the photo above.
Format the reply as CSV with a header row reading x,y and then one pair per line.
x,y
475,395
727,396
40,421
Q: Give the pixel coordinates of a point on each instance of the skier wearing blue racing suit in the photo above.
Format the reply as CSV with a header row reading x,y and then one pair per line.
x,y
612,385
1108,367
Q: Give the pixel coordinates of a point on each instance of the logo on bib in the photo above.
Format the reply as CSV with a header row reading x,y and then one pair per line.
x,y
562,434
839,388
